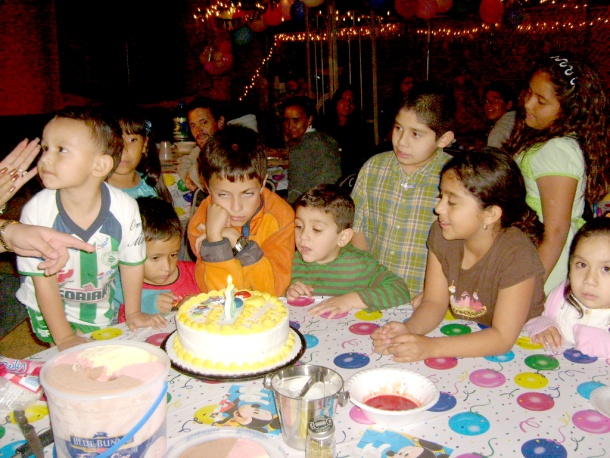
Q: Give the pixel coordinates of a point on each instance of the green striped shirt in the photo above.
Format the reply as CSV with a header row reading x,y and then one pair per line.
x,y
353,271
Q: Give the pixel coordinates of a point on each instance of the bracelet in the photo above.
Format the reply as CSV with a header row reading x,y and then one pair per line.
x,y
3,226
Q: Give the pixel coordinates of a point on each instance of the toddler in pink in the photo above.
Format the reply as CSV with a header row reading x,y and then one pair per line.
x,y
577,312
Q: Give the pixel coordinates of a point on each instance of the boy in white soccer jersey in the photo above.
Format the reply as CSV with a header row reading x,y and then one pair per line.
x,y
80,148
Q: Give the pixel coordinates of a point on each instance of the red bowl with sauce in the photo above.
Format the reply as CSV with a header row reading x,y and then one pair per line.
x,y
392,396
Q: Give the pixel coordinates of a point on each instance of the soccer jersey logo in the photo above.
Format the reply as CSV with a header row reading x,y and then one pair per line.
x,y
111,258
63,275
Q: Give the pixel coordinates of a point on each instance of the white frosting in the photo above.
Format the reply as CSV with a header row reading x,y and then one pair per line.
x,y
258,332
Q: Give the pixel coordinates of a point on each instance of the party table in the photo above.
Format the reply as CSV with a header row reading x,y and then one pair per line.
x,y
182,196
528,402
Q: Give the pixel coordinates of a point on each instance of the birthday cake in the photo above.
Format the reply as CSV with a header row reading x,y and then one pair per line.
x,y
250,334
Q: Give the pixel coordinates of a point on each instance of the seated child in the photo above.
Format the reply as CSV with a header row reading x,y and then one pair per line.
x,y
577,312
241,229
481,263
80,148
167,281
327,264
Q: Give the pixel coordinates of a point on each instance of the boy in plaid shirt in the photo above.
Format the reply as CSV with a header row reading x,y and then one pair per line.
x,y
396,191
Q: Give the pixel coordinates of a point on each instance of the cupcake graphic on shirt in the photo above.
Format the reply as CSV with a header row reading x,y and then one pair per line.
x,y
466,304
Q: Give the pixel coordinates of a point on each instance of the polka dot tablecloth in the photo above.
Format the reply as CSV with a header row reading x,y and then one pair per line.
x,y
526,403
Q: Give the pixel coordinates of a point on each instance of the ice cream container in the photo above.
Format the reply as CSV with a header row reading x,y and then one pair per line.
x,y
108,399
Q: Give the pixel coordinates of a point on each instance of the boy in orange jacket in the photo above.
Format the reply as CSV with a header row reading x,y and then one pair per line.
x,y
241,229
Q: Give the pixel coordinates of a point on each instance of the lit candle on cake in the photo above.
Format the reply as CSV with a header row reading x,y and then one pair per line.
x,y
230,299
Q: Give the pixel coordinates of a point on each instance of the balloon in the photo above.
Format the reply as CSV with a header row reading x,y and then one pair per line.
x,y
313,3
217,60
444,5
405,8
257,25
285,6
297,11
375,4
225,47
426,9
273,16
491,11
242,36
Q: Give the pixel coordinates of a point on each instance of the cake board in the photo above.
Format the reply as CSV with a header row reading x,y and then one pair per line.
x,y
185,368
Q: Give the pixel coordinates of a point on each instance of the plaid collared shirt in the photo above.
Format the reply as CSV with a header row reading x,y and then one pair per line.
x,y
394,211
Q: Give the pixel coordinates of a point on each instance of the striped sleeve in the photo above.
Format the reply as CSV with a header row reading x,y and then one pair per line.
x,y
353,271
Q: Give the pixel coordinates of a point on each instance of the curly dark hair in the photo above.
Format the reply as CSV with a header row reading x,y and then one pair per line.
x,y
583,116
494,178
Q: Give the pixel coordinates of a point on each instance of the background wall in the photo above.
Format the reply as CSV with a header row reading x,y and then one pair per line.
x,y
55,53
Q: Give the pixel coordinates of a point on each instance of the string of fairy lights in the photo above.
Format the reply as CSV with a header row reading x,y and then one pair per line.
x,y
257,73
354,25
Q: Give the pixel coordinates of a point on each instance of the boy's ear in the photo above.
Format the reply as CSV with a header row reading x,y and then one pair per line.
x,y
345,237
264,183
221,122
103,165
445,139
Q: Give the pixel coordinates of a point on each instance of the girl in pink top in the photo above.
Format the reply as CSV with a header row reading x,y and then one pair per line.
x,y
577,312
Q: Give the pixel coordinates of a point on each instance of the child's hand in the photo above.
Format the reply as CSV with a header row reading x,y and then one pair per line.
x,y
550,339
216,220
142,320
298,289
383,336
199,240
337,304
408,348
71,341
166,301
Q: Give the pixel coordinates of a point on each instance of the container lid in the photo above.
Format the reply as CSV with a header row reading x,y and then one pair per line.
x,y
321,427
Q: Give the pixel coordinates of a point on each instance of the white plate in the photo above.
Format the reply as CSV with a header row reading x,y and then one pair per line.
x,y
600,400
273,448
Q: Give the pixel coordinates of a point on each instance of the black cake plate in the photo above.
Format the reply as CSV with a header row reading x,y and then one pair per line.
x,y
185,368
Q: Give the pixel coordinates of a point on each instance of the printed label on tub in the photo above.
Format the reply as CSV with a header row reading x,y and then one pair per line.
x,y
90,447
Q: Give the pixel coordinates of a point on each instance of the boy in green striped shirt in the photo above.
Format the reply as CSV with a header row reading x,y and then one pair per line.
x,y
326,264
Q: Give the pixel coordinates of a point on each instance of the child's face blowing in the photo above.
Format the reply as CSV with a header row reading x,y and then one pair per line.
x,y
241,198
415,143
590,272
316,235
161,265
69,154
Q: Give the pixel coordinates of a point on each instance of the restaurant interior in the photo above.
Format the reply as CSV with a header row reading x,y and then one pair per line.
x,y
62,52
255,54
